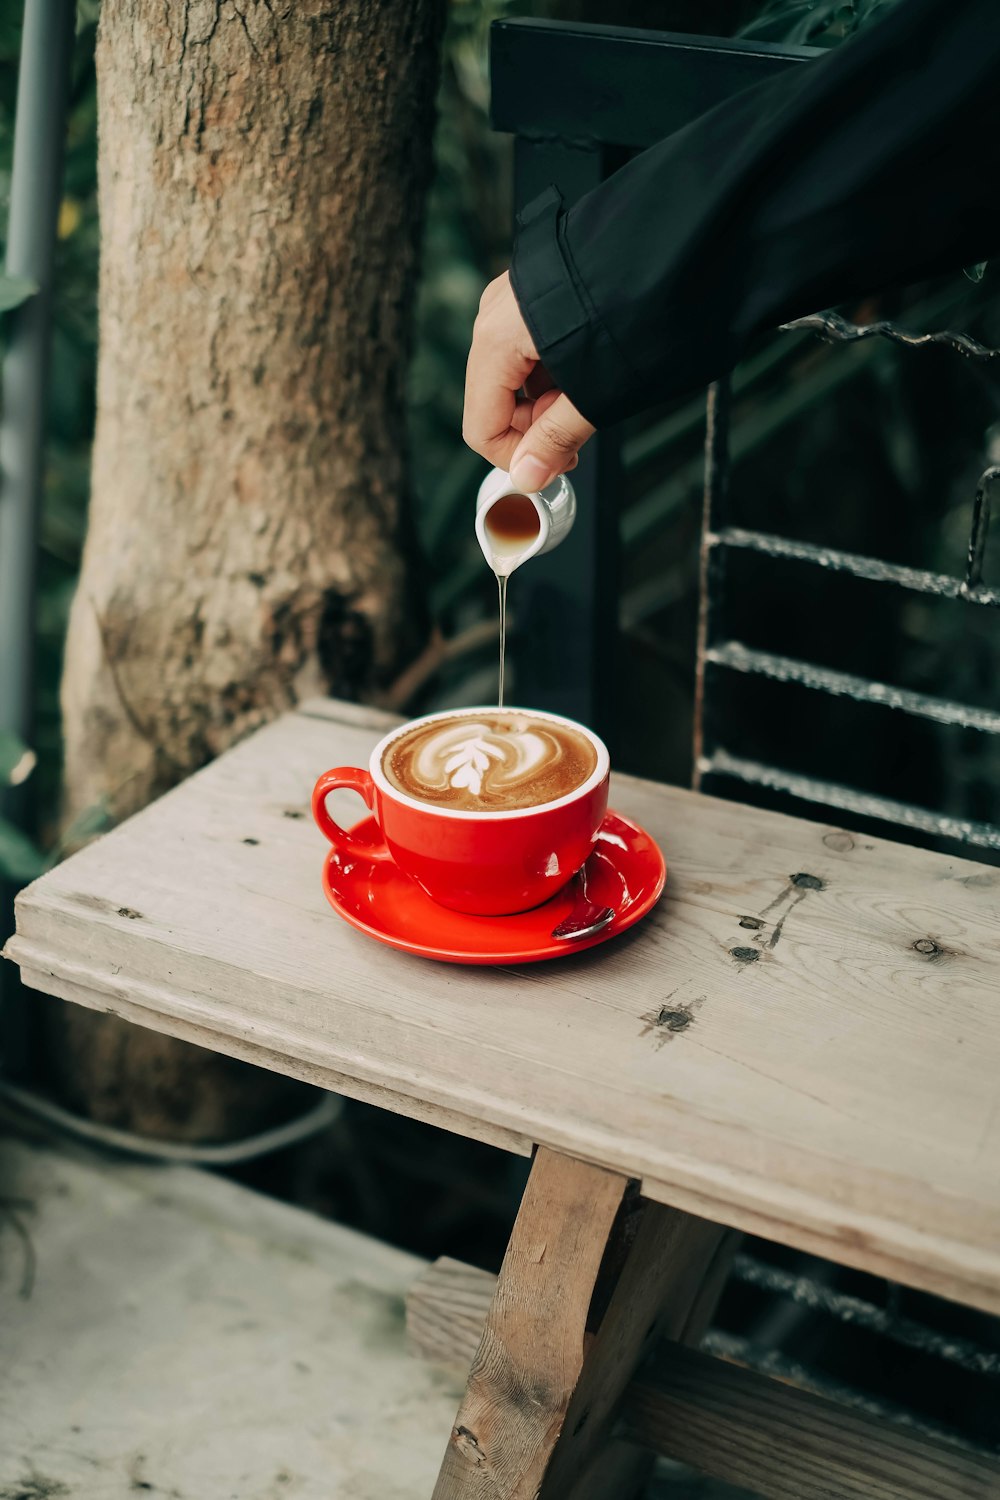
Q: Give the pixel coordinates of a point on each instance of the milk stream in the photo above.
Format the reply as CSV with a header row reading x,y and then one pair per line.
x,y
511,528
502,585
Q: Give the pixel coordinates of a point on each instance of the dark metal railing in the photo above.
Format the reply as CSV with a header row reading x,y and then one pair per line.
x,y
893,1339
714,764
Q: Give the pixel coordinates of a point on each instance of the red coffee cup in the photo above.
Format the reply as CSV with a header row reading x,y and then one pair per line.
x,y
486,863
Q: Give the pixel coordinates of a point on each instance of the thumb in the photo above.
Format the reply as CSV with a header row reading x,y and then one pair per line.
x,y
550,445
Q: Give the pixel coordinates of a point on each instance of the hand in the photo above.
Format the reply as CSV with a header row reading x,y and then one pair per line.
x,y
534,436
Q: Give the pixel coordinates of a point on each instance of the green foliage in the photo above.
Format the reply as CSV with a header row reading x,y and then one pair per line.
x,y
16,761
813,23
14,290
19,858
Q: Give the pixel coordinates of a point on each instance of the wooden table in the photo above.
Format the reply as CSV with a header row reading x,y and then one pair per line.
x,y
803,1041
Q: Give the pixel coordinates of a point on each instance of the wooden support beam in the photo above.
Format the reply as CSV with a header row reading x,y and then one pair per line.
x,y
784,1443
593,1276
655,1293
731,1423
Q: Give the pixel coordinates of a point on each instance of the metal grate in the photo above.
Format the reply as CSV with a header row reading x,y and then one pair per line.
x,y
714,764
797,1299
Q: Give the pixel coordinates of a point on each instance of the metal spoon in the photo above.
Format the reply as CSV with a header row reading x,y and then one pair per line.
x,y
586,917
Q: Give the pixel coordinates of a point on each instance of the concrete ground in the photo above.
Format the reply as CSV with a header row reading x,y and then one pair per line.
x,y
165,1332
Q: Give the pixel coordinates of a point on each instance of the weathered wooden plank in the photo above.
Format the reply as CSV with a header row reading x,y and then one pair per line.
x,y
783,1443
657,1293
531,1353
358,715
735,1425
592,1278
814,1058
446,1306
140,1007
446,1310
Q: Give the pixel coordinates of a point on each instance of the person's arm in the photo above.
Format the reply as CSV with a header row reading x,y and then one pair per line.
x,y
873,166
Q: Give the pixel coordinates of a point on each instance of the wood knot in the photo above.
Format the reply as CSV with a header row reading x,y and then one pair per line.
x,y
928,947
127,911
251,841
674,1020
753,924
745,955
468,1446
840,842
667,1021
807,882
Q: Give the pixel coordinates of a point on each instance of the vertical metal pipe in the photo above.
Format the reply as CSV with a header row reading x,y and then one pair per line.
x,y
36,183
711,562
35,190
980,529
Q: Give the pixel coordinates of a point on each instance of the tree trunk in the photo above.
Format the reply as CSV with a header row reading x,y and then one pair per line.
x,y
262,177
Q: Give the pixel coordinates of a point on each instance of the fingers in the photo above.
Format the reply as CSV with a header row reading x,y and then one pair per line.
x,y
493,378
551,444
543,401
501,360
540,433
538,382
521,420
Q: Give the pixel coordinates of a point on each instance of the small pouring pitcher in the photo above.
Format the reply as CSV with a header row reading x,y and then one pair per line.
x,y
555,507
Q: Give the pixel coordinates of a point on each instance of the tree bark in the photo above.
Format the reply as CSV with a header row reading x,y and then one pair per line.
x,y
262,173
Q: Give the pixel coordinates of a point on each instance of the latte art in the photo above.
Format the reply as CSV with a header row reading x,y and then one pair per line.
x,y
489,762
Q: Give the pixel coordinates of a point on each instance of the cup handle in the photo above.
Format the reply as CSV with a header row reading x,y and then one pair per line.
x,y
353,779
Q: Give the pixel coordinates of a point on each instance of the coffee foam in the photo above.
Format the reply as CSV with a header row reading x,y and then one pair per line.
x,y
489,762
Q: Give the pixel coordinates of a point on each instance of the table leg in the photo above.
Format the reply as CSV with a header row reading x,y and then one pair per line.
x,y
592,1278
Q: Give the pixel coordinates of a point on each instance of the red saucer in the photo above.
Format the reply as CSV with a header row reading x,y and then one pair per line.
x,y
626,871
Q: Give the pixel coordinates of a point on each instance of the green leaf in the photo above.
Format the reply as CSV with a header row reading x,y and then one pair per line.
x,y
870,10
792,21
87,12
14,290
813,22
16,761
19,859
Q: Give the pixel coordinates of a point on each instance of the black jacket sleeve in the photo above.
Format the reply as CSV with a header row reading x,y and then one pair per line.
x,y
875,165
